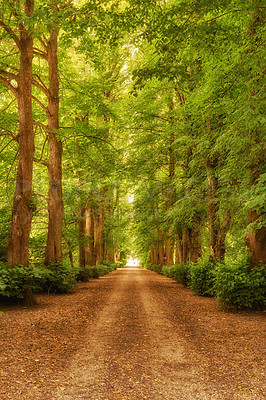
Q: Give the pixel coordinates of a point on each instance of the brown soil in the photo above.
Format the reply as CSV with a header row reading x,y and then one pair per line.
x,y
131,335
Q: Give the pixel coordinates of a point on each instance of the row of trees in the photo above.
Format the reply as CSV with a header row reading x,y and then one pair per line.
x,y
201,151
160,99
58,144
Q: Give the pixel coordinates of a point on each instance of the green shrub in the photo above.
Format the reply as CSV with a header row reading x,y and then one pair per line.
x,y
183,274
180,273
202,278
56,278
86,273
15,281
105,269
154,267
94,272
168,270
241,287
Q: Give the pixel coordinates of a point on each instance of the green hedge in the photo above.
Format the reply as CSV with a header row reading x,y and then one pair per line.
x,y
202,278
236,285
239,286
15,281
93,272
180,273
154,267
57,278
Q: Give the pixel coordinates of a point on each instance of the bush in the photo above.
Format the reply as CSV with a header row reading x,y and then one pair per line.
x,y
169,271
180,273
183,274
94,272
56,278
202,278
15,281
241,287
154,267
105,269
86,273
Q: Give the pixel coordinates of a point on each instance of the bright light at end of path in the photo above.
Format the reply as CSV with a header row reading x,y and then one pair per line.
x,y
132,262
130,198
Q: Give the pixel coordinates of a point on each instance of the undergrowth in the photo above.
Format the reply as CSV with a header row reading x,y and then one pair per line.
x,y
58,277
236,284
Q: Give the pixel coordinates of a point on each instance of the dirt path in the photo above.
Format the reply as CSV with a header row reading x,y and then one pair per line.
x,y
132,335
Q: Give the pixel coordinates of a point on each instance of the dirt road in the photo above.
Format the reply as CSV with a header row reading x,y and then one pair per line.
x,y
135,335
138,347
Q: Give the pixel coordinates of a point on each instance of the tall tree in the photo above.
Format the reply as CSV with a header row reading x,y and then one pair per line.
x,y
23,207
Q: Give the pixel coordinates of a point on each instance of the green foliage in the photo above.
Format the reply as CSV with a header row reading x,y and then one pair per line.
x,y
154,267
94,272
180,273
15,281
86,273
56,278
106,268
239,286
4,223
203,278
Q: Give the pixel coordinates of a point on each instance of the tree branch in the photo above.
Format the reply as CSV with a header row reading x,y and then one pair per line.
x,y
220,16
9,85
6,145
37,123
8,105
40,104
40,85
11,33
41,161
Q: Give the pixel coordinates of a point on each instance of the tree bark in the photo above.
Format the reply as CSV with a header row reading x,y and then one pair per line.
x,y
217,231
186,245
256,241
53,251
23,207
82,238
196,243
99,219
89,232
161,260
154,254
169,252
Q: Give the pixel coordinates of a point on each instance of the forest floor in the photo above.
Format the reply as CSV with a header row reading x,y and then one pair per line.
x,y
131,335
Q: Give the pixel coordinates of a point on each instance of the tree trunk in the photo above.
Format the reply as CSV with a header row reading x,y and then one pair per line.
x,y
178,250
161,260
82,237
99,218
256,242
169,253
217,231
89,232
23,208
154,254
196,244
185,245
53,251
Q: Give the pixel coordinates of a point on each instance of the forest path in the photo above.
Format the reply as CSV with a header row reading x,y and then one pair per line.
x,y
130,335
149,341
